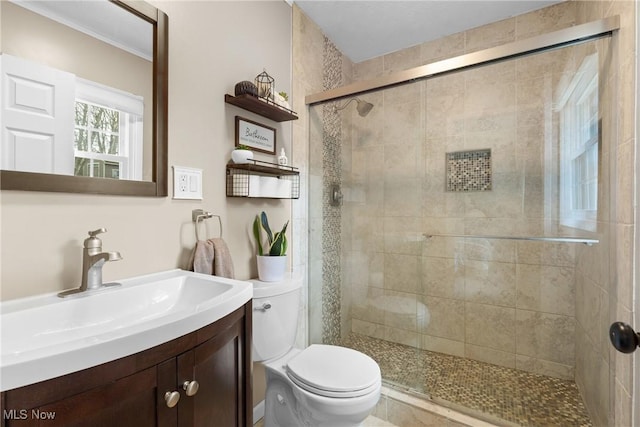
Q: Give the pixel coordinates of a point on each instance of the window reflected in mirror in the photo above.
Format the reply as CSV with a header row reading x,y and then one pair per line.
x,y
108,133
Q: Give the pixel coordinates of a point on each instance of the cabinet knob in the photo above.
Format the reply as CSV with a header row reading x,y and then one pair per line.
x,y
171,398
191,387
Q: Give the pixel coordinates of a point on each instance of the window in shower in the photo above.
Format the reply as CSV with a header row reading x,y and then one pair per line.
x,y
578,112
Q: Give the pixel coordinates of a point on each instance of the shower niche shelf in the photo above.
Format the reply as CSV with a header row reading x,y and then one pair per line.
x,y
261,106
264,180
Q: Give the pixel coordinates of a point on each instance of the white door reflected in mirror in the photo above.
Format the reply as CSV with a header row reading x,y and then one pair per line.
x,y
36,117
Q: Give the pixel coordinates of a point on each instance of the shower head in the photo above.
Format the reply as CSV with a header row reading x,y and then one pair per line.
x,y
363,107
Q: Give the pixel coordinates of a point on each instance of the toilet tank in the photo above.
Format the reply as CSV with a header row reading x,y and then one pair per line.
x,y
275,317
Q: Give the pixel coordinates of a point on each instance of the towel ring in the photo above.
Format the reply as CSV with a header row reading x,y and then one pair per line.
x,y
198,215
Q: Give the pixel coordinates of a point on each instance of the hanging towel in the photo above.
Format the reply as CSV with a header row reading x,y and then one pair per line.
x,y
212,257
202,257
222,262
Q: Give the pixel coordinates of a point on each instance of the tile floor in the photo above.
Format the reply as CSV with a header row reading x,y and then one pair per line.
x,y
369,422
372,421
492,392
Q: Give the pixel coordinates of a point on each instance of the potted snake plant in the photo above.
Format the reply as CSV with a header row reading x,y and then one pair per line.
x,y
272,251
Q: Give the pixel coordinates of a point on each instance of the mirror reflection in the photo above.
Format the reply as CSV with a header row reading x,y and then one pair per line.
x,y
77,83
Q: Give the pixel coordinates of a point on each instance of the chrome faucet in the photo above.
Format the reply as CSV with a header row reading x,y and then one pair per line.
x,y
92,261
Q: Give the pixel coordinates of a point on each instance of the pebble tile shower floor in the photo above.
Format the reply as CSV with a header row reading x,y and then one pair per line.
x,y
496,392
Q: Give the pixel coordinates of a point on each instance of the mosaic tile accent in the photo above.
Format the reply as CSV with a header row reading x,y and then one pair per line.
x,y
469,170
331,215
481,389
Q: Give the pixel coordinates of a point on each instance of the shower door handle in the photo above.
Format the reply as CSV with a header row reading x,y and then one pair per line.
x,y
623,337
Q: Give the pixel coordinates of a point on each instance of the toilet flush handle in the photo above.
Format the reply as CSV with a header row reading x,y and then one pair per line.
x,y
265,306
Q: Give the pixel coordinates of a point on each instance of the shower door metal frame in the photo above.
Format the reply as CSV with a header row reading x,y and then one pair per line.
x,y
556,39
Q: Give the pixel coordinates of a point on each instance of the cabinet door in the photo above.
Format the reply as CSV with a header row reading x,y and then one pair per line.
x,y
217,365
128,402
167,417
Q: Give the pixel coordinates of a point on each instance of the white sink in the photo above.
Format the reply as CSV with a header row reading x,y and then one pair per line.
x,y
45,336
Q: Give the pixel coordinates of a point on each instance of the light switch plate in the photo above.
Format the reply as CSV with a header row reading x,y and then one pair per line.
x,y
187,183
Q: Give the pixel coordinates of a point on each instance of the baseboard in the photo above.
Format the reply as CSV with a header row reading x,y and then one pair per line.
x,y
258,412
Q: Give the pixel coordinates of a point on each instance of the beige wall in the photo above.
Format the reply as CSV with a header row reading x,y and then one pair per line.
x,y
212,46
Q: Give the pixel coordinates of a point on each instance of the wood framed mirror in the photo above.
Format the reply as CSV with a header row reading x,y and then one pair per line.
x,y
152,177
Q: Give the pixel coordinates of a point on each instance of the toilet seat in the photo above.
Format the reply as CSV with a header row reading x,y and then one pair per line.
x,y
333,371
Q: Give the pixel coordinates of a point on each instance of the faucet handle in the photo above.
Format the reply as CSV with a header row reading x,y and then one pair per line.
x,y
93,242
94,233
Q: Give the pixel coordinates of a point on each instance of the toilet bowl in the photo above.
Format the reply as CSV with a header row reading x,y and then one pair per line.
x,y
322,385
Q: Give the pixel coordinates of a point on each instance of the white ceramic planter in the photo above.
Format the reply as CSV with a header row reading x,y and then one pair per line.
x,y
241,156
271,268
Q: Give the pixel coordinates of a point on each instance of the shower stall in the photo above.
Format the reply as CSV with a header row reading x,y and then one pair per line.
x,y
460,228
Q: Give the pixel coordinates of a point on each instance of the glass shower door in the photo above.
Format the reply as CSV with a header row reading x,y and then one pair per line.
x,y
468,253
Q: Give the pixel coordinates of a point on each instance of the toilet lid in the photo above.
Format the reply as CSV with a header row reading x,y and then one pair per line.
x,y
334,371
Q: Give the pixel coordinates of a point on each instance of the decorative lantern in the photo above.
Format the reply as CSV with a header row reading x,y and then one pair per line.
x,y
265,84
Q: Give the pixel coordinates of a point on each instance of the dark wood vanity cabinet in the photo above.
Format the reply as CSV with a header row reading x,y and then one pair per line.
x,y
217,361
132,391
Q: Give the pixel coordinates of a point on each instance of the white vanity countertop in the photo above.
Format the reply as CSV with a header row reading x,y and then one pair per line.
x,y
44,336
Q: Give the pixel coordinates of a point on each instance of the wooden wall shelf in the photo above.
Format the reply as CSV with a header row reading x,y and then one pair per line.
x,y
261,107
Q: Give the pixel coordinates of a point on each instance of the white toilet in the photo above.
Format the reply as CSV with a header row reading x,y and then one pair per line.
x,y
322,385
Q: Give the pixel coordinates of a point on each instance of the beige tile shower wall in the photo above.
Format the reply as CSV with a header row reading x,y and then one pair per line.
x,y
346,221
497,301
308,42
315,69
604,289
